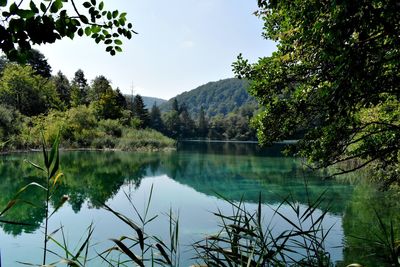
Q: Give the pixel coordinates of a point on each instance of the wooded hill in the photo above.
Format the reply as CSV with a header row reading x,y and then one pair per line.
x,y
220,97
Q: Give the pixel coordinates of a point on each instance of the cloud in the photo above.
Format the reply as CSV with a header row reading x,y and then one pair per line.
x,y
187,44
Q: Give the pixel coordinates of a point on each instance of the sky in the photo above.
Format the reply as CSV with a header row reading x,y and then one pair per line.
x,y
180,45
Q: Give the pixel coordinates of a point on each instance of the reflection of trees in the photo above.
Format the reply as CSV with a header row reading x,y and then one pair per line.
x,y
230,148
89,176
98,176
14,175
360,222
237,177
235,172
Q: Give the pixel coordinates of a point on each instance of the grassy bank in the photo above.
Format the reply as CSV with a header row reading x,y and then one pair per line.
x,y
80,128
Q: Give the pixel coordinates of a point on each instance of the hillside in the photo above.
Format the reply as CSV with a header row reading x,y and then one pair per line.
x,y
219,97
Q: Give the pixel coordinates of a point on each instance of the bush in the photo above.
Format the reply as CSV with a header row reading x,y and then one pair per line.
x,y
144,139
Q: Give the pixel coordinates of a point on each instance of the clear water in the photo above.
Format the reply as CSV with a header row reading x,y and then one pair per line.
x,y
190,181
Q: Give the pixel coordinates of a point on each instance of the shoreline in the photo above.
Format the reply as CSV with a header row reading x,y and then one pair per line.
x,y
139,149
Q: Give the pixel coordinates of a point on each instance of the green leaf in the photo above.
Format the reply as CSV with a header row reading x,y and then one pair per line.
x,y
117,42
88,30
33,7
43,7
93,2
56,6
10,204
115,14
54,149
84,19
118,49
128,253
56,164
3,3
35,165
13,8
109,15
101,6
87,4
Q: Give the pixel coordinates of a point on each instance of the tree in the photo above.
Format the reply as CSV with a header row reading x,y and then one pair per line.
x,y
187,125
121,100
37,61
10,122
175,105
100,86
79,89
140,111
335,76
25,91
202,124
155,118
107,107
63,88
172,123
47,21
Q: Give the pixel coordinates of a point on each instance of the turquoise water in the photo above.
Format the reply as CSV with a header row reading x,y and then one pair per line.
x,y
191,181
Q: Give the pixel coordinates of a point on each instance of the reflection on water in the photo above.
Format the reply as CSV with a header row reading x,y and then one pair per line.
x,y
189,179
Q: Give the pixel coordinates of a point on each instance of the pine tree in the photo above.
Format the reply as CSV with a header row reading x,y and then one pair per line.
x,y
155,118
140,111
79,89
121,100
202,124
63,88
175,105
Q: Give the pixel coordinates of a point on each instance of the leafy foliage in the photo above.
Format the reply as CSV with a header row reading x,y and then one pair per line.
x,y
47,21
25,91
334,77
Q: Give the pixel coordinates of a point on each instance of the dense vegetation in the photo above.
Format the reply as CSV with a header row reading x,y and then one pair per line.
x,y
217,110
87,116
335,76
216,98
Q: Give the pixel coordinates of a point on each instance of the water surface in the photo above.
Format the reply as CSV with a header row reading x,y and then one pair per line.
x,y
191,181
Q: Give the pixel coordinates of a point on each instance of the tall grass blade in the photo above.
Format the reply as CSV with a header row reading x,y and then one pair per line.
x,y
35,165
54,149
129,253
130,223
45,154
163,253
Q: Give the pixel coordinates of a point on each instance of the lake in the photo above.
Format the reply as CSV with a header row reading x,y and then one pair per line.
x,y
193,182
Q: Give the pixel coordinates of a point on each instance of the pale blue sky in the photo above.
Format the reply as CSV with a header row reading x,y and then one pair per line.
x,y
181,44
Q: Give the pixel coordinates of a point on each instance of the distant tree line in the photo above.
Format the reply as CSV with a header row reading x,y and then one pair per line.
x,y
179,124
29,91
